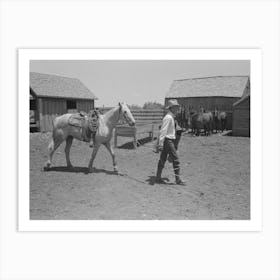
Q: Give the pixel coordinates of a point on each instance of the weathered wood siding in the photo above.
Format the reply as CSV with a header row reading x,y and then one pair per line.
x,y
241,118
49,109
85,105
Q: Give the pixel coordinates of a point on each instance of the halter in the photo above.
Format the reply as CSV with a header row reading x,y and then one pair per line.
x,y
124,114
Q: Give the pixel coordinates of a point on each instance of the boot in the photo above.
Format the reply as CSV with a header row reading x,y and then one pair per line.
x,y
178,179
158,179
180,182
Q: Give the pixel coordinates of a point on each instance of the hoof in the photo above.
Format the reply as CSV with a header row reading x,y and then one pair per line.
x,y
70,166
47,166
90,170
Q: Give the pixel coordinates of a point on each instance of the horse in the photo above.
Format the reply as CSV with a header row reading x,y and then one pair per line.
x,y
203,120
223,117
180,116
217,120
220,120
191,117
63,131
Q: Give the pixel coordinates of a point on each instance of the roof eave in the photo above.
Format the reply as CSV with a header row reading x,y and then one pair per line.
x,y
241,100
64,97
203,96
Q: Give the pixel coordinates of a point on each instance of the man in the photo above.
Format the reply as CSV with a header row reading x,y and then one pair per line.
x,y
167,143
178,132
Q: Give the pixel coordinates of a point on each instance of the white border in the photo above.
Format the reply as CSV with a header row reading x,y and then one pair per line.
x,y
254,55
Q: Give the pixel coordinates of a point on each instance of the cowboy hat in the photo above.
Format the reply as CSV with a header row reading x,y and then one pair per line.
x,y
172,103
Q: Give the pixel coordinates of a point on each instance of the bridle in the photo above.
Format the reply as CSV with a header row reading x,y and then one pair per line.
x,y
124,113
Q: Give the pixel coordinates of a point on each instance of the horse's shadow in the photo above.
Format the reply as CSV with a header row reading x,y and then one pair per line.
x,y
79,169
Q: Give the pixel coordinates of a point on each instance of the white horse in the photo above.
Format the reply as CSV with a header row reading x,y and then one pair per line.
x,y
62,131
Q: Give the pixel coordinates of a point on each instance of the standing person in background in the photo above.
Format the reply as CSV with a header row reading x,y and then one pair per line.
x,y
167,142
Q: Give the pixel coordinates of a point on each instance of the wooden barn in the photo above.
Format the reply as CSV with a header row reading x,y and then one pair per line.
x,y
52,95
241,116
210,92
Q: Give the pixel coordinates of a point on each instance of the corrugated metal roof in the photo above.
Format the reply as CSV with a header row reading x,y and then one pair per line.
x,y
57,86
224,86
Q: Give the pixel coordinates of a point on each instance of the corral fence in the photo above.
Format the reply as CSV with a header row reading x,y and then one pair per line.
x,y
147,123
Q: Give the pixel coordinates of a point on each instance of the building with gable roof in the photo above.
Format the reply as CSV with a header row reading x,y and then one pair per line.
x,y
219,92
241,116
52,95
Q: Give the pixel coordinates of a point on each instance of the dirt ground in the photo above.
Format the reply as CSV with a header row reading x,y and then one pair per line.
x,y
216,170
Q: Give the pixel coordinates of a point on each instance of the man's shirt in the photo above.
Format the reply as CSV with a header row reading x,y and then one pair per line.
x,y
167,128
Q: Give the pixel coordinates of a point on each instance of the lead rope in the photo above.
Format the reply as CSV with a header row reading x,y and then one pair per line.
x,y
197,194
168,173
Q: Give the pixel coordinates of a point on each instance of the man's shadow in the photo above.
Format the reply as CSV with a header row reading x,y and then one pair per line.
x,y
152,180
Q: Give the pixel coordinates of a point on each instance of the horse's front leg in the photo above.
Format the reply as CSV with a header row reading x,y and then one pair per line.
x,y
112,153
93,155
69,141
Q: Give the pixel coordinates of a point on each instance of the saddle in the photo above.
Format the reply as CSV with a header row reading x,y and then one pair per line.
x,y
88,123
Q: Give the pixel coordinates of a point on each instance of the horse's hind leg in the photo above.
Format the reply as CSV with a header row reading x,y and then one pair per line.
x,y
68,145
54,144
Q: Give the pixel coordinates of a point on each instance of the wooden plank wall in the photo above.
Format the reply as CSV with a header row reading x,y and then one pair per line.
x,y
49,109
241,119
85,105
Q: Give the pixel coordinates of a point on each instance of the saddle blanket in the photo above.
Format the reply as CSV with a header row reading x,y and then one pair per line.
x,y
88,123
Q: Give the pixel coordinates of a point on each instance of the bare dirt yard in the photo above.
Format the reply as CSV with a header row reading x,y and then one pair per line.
x,y
216,170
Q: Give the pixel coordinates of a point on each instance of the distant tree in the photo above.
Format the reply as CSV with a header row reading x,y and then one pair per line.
x,y
134,106
153,105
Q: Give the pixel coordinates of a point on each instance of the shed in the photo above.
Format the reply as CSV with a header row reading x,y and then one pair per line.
x,y
210,92
52,95
241,116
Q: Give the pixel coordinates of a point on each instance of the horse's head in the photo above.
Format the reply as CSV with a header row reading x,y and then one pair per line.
x,y
126,114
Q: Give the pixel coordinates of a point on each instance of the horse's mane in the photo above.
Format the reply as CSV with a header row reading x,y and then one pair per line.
x,y
110,111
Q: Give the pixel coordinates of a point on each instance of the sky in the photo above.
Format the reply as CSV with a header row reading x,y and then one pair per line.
x,y
136,81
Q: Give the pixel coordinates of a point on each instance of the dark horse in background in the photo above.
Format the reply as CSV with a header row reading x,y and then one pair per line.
x,y
201,120
220,120
182,117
